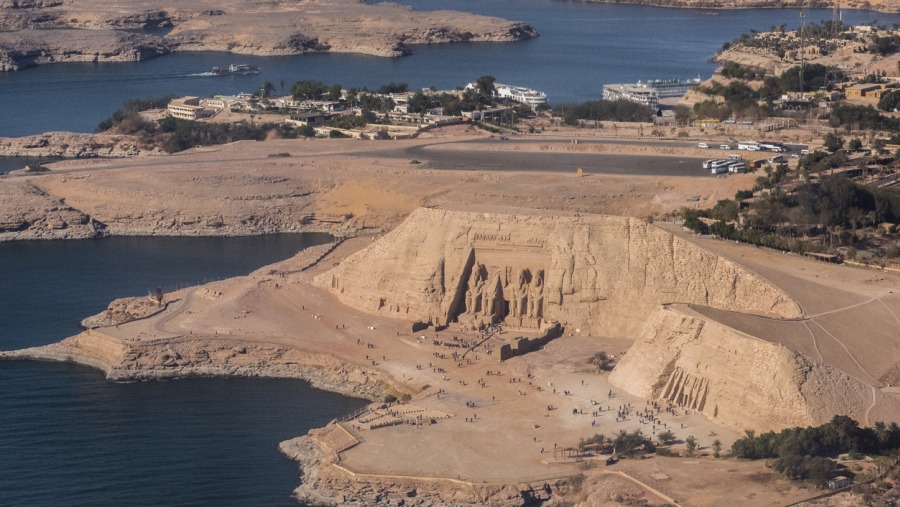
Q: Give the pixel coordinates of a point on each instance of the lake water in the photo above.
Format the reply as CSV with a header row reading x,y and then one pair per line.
x,y
581,47
68,437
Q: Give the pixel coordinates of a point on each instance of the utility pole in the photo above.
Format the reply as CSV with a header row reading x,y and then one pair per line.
x,y
836,20
802,44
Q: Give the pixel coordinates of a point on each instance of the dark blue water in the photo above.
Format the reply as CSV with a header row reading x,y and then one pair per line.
x,y
581,47
68,437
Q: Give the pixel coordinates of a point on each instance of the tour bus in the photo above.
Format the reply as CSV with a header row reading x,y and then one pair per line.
x,y
776,147
737,167
719,166
777,159
735,157
748,145
707,163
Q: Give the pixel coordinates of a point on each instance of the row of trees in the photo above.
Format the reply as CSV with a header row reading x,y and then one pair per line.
x,y
862,117
603,110
131,109
802,453
625,443
835,203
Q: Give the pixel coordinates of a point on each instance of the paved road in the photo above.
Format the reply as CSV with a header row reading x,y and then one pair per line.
x,y
592,163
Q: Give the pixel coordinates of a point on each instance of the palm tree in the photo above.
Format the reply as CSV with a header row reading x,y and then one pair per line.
x,y
881,432
717,447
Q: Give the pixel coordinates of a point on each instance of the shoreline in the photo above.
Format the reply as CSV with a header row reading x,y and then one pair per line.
x,y
316,375
469,430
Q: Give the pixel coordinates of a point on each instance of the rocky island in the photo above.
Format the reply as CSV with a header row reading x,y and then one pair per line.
x,y
42,32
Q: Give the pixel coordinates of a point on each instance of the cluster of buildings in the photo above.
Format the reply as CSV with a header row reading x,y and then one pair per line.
x,y
648,93
869,92
400,122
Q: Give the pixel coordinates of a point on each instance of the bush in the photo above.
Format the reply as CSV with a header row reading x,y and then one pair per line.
x,y
595,439
633,443
279,154
666,451
131,108
667,437
603,361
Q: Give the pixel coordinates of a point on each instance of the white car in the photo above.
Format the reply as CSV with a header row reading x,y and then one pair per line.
x,y
724,146
703,145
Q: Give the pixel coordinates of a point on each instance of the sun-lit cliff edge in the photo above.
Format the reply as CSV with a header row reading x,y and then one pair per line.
x,y
603,275
738,380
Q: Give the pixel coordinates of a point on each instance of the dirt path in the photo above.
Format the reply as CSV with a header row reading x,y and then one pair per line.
x,y
849,354
159,325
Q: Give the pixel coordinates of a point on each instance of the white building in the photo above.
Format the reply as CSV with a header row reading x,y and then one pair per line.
x,y
521,95
649,92
188,108
666,88
638,93
518,94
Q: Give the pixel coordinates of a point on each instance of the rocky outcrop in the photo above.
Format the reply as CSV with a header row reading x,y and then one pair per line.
x,y
599,274
35,33
199,356
28,212
26,48
124,310
325,482
735,379
73,145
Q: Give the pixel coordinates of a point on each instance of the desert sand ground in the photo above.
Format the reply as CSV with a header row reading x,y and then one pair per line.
x,y
504,420
357,185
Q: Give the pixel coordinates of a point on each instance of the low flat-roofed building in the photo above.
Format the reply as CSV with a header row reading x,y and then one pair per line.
x,y
322,105
486,114
188,108
861,90
308,119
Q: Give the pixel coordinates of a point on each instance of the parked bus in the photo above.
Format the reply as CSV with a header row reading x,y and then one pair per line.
x,y
737,167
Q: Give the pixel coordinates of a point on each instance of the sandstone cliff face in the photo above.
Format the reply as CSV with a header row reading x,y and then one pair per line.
x,y
28,212
327,485
599,274
73,145
734,379
26,48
